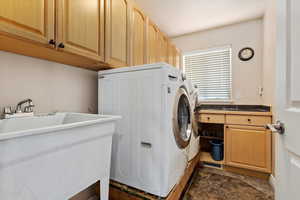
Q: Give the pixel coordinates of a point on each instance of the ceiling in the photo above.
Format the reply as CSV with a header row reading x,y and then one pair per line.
x,y
178,17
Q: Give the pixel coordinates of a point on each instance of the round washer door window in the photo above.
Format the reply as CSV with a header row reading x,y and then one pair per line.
x,y
182,119
194,117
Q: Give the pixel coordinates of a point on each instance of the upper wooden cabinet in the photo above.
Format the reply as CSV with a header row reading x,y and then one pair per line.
x,y
33,20
174,56
93,34
81,27
163,48
177,58
171,55
138,39
152,42
117,32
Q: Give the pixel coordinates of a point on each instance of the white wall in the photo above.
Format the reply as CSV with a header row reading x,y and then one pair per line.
x,y
52,86
247,76
269,52
269,67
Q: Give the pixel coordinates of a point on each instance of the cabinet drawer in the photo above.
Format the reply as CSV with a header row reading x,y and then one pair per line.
x,y
248,120
212,118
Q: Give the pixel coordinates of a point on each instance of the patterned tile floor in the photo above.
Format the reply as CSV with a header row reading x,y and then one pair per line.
x,y
213,184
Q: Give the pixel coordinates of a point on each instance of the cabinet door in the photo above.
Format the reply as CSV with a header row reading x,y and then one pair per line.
x,y
33,20
138,37
81,27
178,59
248,147
117,32
163,48
152,38
171,55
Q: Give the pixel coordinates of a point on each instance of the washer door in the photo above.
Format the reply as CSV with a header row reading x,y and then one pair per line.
x,y
195,115
182,119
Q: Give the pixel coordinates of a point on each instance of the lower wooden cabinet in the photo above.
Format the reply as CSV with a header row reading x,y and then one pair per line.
x,y
212,118
252,120
248,147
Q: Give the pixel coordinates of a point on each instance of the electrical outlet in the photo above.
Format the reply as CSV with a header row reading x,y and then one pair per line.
x,y
261,91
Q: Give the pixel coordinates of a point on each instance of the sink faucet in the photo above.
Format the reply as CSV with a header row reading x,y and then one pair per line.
x,y
27,109
26,112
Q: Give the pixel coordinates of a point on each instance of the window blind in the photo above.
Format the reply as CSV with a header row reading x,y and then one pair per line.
x,y
210,70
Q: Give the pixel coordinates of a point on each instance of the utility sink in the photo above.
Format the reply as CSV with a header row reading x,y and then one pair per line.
x,y
46,123
54,156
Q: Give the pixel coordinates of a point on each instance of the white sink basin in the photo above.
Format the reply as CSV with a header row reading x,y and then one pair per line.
x,y
53,157
20,127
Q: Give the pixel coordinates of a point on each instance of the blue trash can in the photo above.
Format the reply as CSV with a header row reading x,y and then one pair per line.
x,y
217,150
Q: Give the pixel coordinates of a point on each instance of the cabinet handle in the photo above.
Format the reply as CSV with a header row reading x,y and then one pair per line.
x,y
61,45
208,118
52,42
249,120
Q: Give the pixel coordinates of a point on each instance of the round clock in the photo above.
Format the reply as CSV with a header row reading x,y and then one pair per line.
x,y
246,54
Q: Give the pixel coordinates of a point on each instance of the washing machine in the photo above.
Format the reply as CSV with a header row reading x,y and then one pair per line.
x,y
149,147
194,145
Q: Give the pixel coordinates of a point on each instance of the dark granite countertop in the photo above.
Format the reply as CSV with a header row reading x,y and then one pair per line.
x,y
229,107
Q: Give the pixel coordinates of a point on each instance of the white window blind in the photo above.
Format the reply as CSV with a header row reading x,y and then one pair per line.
x,y
210,70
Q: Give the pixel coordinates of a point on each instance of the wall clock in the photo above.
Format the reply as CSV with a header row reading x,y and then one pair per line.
x,y
246,54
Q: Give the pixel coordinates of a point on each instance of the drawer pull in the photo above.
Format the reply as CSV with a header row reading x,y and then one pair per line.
x,y
249,120
208,118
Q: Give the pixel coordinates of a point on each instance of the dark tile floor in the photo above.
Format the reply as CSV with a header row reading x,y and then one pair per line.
x,y
213,184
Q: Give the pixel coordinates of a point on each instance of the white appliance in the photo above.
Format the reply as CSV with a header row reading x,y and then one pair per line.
x,y
149,147
194,146
54,156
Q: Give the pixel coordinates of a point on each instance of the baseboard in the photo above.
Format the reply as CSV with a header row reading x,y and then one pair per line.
x,y
247,172
272,181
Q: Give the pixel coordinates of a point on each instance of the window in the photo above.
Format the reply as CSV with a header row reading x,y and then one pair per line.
x,y
210,70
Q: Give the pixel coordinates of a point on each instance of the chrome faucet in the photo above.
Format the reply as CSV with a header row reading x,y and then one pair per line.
x,y
26,112
27,109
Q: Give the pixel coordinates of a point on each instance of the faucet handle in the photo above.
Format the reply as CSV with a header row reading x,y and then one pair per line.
x,y
28,109
18,109
7,111
30,104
